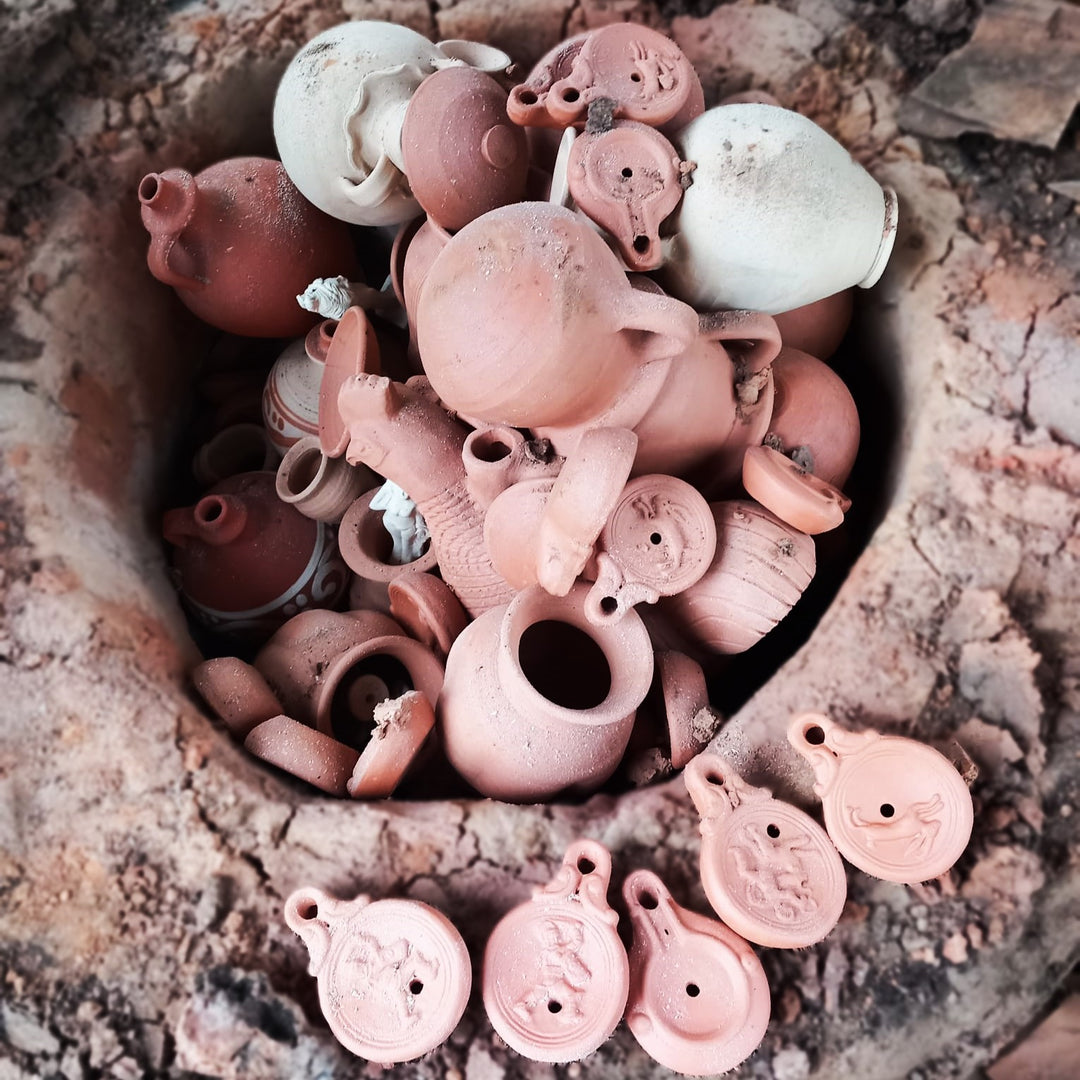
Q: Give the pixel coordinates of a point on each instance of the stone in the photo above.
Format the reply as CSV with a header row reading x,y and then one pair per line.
x,y
25,1033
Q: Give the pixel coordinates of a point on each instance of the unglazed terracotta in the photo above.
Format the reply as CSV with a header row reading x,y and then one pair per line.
x,y
236,692
498,456
331,669
290,401
699,999
818,328
556,974
896,808
535,677
403,432
238,241
659,539
303,752
797,497
524,318
814,414
320,487
238,448
353,350
641,72
760,570
690,722
628,180
462,154
394,975
768,186
401,727
428,609
416,247
244,561
769,870
512,530
527,103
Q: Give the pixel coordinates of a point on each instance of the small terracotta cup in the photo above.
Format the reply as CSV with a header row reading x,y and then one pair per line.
x,y
320,487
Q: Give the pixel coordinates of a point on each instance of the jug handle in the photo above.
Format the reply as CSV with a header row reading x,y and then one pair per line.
x,y
754,327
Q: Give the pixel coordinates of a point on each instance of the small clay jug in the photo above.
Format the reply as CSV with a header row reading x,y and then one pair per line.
x,y
462,154
320,487
331,669
779,214
238,242
290,401
534,675
244,561
760,570
527,319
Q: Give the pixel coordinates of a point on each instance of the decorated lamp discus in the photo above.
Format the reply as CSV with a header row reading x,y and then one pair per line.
x,y
394,975
555,972
769,870
699,998
896,808
659,540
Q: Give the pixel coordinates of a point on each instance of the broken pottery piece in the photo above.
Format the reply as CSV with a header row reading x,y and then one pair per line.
x,y
394,975
556,974
896,808
463,156
320,487
401,726
353,350
331,669
238,448
690,722
536,675
237,242
244,561
303,752
290,401
658,541
236,692
768,186
699,998
795,496
628,180
428,609
769,870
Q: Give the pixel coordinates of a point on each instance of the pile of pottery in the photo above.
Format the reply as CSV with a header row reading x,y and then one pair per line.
x,y
594,449
395,975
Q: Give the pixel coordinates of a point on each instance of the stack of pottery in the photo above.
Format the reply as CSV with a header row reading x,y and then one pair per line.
x,y
602,455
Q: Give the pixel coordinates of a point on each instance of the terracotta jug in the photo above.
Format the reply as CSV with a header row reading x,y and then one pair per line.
x,y
238,242
320,487
779,214
244,561
534,675
290,401
527,319
331,669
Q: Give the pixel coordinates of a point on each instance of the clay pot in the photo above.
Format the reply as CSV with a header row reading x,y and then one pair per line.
x,y
244,561
238,448
779,214
331,669
366,546
643,73
320,487
290,401
814,414
498,457
760,570
536,675
818,328
462,155
238,242
428,609
527,319
416,247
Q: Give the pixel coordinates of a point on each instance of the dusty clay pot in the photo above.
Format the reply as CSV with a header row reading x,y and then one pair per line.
x,y
524,320
498,457
462,155
535,674
244,561
290,401
366,547
320,487
699,999
556,974
760,570
818,328
238,242
428,609
238,448
236,692
331,669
